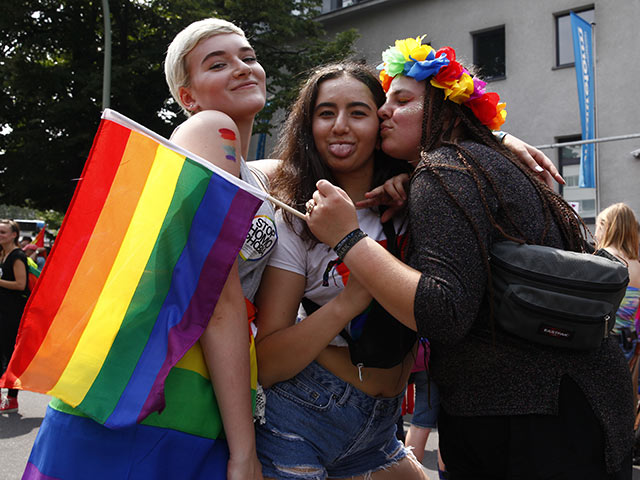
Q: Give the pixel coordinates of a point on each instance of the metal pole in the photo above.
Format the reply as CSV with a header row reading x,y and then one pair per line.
x,y
595,117
106,79
584,142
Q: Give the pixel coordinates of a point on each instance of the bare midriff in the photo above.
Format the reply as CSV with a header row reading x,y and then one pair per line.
x,y
376,382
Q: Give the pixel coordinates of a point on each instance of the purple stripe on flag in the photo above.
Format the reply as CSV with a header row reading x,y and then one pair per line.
x,y
222,203
188,331
31,472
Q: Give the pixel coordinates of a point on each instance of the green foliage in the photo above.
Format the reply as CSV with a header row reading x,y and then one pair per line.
x,y
52,218
51,55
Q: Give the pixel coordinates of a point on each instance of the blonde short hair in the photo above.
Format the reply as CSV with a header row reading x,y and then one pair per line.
x,y
175,66
619,229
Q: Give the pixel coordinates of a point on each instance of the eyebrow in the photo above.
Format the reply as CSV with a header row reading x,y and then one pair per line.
x,y
349,105
219,53
401,91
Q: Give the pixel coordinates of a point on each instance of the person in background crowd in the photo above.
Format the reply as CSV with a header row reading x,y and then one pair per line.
x,y
24,241
426,409
617,232
13,298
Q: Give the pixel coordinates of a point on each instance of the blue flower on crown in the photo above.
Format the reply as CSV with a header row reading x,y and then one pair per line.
x,y
426,68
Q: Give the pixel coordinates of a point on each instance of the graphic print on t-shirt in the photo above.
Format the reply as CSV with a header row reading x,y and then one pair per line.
x,y
261,238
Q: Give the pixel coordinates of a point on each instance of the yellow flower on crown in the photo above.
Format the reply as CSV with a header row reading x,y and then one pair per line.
x,y
412,49
458,90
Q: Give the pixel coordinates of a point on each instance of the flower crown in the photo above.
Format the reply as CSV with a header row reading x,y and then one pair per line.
x,y
410,58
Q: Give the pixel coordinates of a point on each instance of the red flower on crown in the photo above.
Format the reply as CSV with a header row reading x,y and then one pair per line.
x,y
487,109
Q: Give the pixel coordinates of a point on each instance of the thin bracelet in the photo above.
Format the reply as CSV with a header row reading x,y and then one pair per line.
x,y
348,242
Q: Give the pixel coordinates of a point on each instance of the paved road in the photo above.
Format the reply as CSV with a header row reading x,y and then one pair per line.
x,y
18,431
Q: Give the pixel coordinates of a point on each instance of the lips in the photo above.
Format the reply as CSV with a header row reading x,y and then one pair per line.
x,y
384,128
341,150
244,85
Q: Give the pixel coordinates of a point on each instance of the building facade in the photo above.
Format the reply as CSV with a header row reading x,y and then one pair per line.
x,y
524,49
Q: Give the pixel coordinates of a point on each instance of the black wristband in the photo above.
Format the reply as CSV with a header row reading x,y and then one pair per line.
x,y
348,241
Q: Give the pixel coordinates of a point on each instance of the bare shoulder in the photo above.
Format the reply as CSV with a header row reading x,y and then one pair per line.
x,y
267,166
214,136
634,273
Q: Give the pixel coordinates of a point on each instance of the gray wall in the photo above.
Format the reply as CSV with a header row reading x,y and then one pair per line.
x,y
542,101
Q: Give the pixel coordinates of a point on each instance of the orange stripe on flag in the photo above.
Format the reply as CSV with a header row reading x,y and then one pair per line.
x,y
93,270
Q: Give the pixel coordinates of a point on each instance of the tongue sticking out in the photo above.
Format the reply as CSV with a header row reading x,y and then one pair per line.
x,y
341,149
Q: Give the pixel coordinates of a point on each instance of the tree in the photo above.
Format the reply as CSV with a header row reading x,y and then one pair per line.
x,y
51,55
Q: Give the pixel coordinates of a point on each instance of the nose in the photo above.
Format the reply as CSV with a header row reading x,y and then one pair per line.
x,y
384,112
242,69
341,125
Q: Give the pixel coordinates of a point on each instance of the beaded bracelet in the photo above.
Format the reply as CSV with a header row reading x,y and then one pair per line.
x,y
348,241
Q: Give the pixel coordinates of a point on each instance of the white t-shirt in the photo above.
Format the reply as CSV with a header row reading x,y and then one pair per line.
x,y
294,255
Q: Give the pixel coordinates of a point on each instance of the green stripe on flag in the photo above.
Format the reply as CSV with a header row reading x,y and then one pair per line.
x,y
154,284
195,413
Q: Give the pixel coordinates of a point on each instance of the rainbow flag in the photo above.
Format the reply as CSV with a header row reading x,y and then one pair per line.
x,y
33,272
134,275
39,240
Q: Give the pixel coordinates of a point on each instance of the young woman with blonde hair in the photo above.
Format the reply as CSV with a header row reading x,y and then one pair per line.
x,y
617,232
214,75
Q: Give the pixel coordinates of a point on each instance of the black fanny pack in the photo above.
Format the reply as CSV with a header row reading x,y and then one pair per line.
x,y
555,297
383,342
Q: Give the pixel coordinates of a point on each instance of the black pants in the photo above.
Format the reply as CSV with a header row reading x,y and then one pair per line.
x,y
9,323
567,446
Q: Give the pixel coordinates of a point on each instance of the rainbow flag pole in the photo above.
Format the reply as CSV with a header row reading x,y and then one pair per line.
x,y
134,275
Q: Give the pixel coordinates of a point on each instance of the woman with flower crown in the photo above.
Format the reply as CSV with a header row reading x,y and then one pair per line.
x,y
509,408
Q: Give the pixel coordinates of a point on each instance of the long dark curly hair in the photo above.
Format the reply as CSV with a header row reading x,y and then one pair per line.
x,y
301,167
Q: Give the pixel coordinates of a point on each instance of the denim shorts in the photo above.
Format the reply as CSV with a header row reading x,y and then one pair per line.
x,y
427,403
319,426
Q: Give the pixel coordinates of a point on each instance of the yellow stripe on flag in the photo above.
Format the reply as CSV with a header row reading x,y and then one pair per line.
x,y
122,282
194,361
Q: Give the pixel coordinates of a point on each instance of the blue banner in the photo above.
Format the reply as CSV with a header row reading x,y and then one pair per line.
x,y
582,52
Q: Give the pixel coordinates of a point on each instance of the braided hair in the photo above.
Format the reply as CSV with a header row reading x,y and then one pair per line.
x,y
439,119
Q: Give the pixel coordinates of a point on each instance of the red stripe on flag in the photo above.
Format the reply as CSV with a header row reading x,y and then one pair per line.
x,y
90,196
39,240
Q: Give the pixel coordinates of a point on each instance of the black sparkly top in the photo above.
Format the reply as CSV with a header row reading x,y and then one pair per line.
x,y
476,375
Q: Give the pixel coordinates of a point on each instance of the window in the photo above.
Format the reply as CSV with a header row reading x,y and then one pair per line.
x,y
564,40
583,200
337,4
488,53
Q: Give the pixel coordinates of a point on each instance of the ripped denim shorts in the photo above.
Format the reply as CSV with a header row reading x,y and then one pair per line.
x,y
319,426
